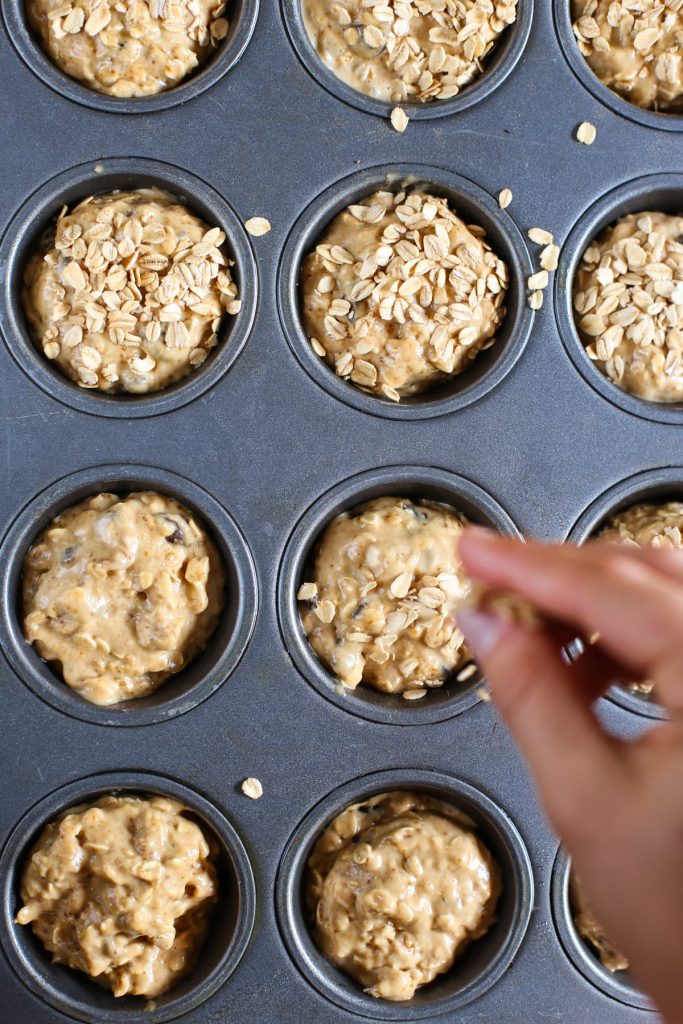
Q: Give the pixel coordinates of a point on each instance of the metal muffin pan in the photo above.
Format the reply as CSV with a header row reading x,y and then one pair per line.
x,y
263,440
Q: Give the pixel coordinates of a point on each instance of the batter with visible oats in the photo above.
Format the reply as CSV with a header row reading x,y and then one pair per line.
x,y
404,51
590,929
628,303
400,294
128,48
129,292
385,585
397,887
122,889
634,48
120,593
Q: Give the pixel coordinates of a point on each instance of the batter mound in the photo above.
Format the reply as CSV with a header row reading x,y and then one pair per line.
x,y
128,47
122,889
406,50
129,292
387,585
397,886
121,593
634,48
628,300
401,294
647,526
590,929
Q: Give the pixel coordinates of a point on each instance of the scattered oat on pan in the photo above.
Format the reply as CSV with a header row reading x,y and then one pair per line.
x,y
257,226
400,293
130,292
634,48
131,48
586,133
504,198
252,788
404,51
399,119
628,304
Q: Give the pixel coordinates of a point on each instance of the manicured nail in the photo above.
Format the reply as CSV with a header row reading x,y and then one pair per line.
x,y
482,631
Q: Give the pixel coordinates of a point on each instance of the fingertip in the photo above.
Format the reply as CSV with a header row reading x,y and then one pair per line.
x,y
477,541
483,631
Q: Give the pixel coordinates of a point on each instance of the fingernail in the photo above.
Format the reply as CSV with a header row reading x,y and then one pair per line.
x,y
482,631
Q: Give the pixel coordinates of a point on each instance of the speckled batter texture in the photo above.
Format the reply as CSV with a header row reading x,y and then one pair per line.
x,y
385,584
129,292
590,929
122,889
400,294
397,887
634,47
120,593
628,302
128,48
406,50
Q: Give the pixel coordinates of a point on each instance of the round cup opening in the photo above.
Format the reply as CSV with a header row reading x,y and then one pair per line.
x,y
498,64
34,218
482,963
660,192
414,482
653,486
475,207
590,81
206,672
242,16
617,985
73,992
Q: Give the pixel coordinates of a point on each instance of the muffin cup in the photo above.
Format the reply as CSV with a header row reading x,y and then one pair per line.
x,y
22,238
655,485
474,205
73,992
497,66
482,963
242,16
206,672
402,482
617,985
654,192
590,81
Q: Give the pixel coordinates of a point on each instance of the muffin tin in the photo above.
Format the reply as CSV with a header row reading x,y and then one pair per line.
x,y
265,444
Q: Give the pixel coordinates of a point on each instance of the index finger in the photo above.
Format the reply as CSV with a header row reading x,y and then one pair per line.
x,y
637,610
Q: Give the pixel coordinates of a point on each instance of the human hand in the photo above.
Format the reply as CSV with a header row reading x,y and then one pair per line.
x,y
618,806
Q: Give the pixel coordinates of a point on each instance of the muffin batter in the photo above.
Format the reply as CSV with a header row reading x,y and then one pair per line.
x,y
647,526
122,889
120,593
129,292
387,582
406,50
589,928
128,47
628,300
397,886
401,294
634,48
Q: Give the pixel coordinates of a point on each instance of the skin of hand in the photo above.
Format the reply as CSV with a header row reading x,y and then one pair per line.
x,y
617,805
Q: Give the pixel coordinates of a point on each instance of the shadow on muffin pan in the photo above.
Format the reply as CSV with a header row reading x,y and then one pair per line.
x,y
497,66
652,486
206,672
23,236
242,17
415,482
474,206
617,985
590,81
481,964
659,192
72,992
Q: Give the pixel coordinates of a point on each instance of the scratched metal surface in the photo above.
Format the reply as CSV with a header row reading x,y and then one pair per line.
x,y
266,442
